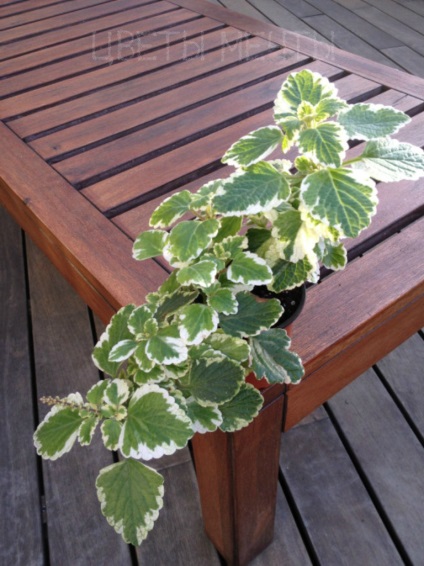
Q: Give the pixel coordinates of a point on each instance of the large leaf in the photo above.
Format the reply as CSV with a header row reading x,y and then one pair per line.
x,y
204,419
188,239
241,409
116,331
253,147
149,244
252,316
327,143
303,86
197,322
171,210
370,121
288,275
295,241
340,198
131,495
166,347
234,348
272,359
249,269
201,274
257,189
155,425
214,380
57,433
389,160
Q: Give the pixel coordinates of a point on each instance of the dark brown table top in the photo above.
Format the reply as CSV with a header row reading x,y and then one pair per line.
x,y
106,107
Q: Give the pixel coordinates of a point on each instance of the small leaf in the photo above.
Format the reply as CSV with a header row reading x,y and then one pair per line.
x,y
288,275
116,331
214,380
222,301
166,347
170,303
95,394
389,160
252,316
229,226
334,256
131,495
201,274
202,199
204,419
257,237
189,239
155,424
116,393
122,350
249,269
253,147
149,244
272,359
259,188
242,408
229,247
111,432
197,322
57,433
370,121
143,362
171,210
138,319
87,430
234,348
327,143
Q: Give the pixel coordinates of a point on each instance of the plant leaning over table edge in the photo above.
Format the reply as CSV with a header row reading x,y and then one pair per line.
x,y
177,364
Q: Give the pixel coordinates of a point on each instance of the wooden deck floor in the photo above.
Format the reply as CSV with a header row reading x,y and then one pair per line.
x,y
352,482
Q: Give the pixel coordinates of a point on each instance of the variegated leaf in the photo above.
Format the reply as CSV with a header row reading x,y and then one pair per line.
x,y
370,121
201,274
138,319
111,433
122,350
204,419
249,269
241,409
234,348
214,380
253,147
189,239
197,322
288,275
149,244
87,430
171,209
166,347
252,316
222,300
57,433
327,143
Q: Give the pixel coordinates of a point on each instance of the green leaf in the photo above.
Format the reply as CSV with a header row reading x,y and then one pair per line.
x,y
257,237
272,359
116,392
303,86
222,300
197,322
389,160
116,331
214,380
242,408
288,275
334,256
87,430
166,347
173,302
111,433
229,226
122,350
95,394
370,121
155,424
204,419
203,198
340,198
229,247
327,143
288,228
201,274
253,147
252,316
154,375
57,433
189,239
144,363
138,319
171,210
149,244
258,189
249,269
234,348
131,495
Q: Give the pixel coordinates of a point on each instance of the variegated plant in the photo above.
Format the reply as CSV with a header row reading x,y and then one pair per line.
x,y
177,364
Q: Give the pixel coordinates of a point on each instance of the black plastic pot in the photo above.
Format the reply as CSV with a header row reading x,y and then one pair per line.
x,y
292,301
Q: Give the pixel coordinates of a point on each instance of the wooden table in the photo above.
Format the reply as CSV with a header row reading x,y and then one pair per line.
x,y
106,107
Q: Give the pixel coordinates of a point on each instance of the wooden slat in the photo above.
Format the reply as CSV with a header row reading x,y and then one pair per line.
x,y
62,347
92,253
152,33
342,523
20,7
388,454
20,520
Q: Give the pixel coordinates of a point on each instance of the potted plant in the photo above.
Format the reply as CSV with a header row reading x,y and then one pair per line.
x,y
177,365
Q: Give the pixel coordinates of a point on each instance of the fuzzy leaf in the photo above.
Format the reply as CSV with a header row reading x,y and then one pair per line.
x,y
116,331
389,160
249,269
201,274
171,210
131,495
188,239
214,380
197,322
272,359
149,244
155,425
327,143
242,408
204,419
370,121
111,432
253,147
166,347
57,433
288,275
340,198
252,316
257,189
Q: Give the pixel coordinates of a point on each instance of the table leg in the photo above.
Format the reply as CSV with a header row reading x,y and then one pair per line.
x,y
237,475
